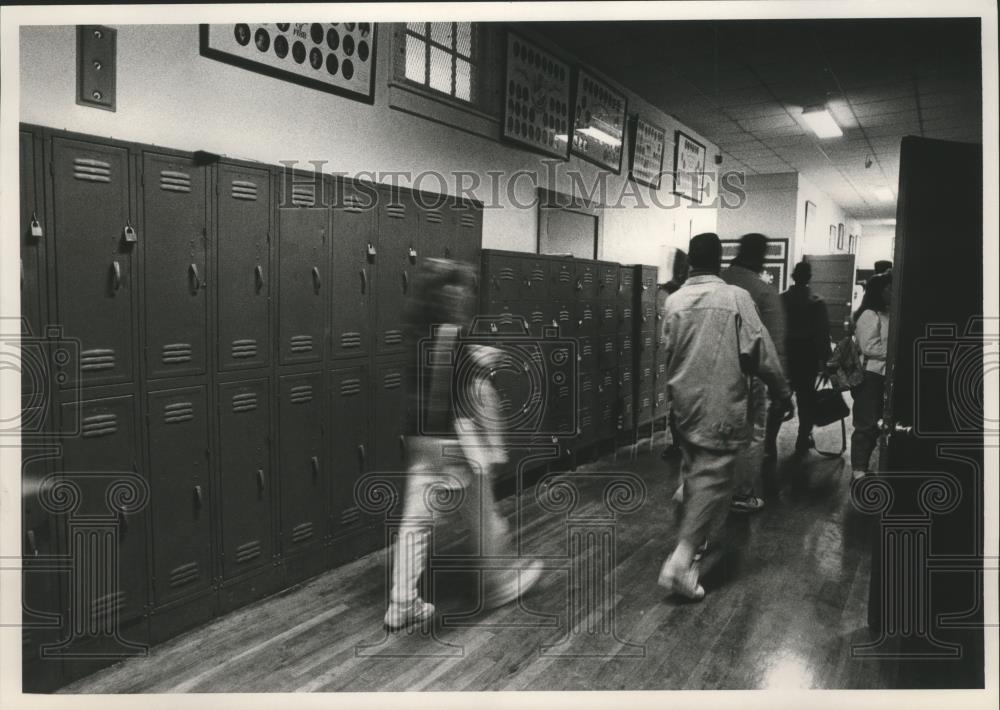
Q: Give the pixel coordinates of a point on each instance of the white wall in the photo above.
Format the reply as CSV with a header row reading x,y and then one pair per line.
x,y
827,212
769,208
167,94
875,246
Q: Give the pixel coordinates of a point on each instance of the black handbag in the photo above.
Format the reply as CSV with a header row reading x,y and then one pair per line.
x,y
828,407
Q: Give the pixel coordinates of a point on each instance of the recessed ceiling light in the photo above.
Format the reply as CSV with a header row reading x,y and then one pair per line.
x,y
884,194
821,122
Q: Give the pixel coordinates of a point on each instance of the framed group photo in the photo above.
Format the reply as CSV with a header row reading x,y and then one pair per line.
x,y
646,153
537,99
689,167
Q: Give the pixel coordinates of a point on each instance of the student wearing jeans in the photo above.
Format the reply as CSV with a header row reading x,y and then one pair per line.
x,y
871,331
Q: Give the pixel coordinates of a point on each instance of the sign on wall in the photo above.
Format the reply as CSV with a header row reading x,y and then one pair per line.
x,y
689,167
338,57
536,102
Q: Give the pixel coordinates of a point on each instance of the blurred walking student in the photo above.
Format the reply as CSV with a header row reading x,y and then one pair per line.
x,y
745,272
871,330
714,342
440,308
680,272
807,348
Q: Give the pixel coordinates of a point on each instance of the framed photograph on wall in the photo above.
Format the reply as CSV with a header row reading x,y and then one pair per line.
x,y
337,57
840,236
809,220
646,153
774,274
689,167
776,250
833,238
775,260
599,122
536,99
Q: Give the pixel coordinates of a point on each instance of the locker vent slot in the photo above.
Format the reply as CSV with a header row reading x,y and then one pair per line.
x,y
626,377
467,220
185,574
392,380
608,346
244,190
245,402
606,413
248,551
587,278
506,274
301,343
302,531
178,412
97,359
99,425
537,357
564,277
353,203
609,313
607,380
396,211
586,385
244,349
351,516
626,313
585,420
537,275
350,387
434,217
303,195
300,394
587,349
91,170
537,317
175,181
505,404
349,341
393,337
563,391
661,398
176,352
645,401
106,605
661,368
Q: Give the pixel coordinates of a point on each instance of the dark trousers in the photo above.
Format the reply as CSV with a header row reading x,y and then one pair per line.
x,y
805,405
867,412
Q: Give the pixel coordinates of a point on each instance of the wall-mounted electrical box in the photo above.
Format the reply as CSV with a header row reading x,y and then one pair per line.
x,y
96,66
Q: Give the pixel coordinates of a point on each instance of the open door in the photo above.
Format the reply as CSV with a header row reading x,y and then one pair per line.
x,y
833,281
926,596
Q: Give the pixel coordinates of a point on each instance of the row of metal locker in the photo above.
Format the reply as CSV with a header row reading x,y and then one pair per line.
x,y
223,340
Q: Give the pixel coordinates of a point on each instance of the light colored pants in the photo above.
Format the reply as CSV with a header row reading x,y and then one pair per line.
x,y
751,458
709,477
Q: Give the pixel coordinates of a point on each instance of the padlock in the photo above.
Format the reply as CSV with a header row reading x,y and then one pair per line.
x,y
130,236
36,226
371,250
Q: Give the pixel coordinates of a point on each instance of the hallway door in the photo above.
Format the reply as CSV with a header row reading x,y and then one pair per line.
x,y
833,281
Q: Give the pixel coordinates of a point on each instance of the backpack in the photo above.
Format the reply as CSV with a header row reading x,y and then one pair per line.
x,y
845,366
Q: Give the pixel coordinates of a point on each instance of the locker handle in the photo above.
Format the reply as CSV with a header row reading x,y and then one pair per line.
x,y
315,465
579,285
406,281
198,500
317,283
260,481
31,543
362,455
258,273
195,280
364,281
116,270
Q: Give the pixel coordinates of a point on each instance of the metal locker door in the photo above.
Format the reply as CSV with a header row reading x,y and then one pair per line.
x,y
92,228
33,377
302,272
502,275
586,319
180,488
607,312
97,461
175,276
389,444
625,316
647,284
626,283
539,315
245,493
607,280
398,253
352,273
468,233
244,266
565,320
586,279
301,461
562,278
349,444
534,278
436,225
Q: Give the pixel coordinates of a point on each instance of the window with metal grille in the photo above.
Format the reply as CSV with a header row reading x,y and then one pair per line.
x,y
444,57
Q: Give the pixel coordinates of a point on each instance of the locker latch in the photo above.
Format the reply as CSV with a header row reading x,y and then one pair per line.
x,y
130,235
36,226
413,255
371,251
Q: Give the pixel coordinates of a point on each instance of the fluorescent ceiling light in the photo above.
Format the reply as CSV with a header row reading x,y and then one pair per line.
x,y
884,194
821,122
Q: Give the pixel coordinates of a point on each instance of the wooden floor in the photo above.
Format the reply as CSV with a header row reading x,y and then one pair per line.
x,y
784,606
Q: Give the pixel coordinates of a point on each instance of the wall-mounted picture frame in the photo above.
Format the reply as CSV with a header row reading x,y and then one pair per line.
x,y
646,149
776,250
598,122
809,220
775,260
774,274
833,238
536,99
840,236
852,244
336,57
689,167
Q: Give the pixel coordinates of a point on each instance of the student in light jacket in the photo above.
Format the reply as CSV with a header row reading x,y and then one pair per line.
x,y
871,330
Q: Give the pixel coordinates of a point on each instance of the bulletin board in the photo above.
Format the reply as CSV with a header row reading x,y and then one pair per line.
x,y
537,99
647,148
599,122
337,57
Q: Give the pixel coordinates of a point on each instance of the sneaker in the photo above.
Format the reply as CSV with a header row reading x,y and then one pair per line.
x,y
402,615
746,504
858,473
683,583
523,579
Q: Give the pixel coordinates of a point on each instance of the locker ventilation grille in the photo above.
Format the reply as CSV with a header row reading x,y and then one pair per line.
x,y
396,211
537,275
467,220
563,391
626,377
185,574
564,277
300,394
97,359
244,190
244,349
586,385
626,313
585,420
564,316
608,313
606,413
587,349
303,195
175,181
661,368
178,412
349,341
506,274
248,551
435,217
608,346
661,399
107,605
301,532
392,380
587,278
353,203
393,337
99,425
351,516
245,402
537,317
91,170
505,404
176,352
350,387
301,343
607,382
